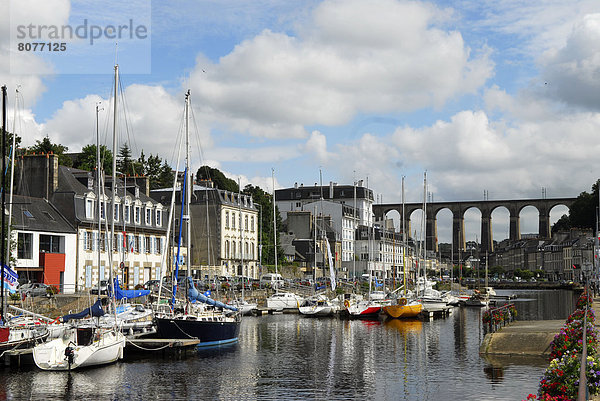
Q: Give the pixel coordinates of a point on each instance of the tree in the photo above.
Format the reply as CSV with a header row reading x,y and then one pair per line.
x,y
582,213
217,177
265,200
87,159
124,161
45,146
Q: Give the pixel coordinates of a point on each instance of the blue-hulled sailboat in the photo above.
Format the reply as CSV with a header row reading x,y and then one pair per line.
x,y
198,316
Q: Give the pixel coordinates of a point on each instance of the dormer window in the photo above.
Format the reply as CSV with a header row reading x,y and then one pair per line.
x,y
138,212
158,218
89,208
148,216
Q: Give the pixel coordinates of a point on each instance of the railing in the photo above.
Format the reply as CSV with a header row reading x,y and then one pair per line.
x,y
582,392
495,318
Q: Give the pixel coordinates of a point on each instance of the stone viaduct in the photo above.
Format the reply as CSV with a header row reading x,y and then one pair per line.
x,y
486,207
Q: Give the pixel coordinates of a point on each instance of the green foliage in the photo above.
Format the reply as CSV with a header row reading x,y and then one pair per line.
x,y
45,146
217,177
496,271
124,161
264,203
87,159
523,273
582,213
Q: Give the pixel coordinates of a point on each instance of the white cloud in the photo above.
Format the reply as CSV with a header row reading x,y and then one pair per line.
x,y
572,72
379,56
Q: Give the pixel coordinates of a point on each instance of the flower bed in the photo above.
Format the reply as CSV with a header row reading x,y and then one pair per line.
x,y
561,379
495,317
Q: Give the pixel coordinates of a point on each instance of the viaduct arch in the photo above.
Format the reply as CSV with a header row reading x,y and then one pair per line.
x,y
486,207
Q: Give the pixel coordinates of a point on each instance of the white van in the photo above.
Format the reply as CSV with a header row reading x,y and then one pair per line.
x,y
272,279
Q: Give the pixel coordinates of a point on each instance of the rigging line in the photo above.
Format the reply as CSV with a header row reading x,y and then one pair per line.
x,y
197,135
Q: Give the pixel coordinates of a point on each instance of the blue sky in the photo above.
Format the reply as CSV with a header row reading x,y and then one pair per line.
x,y
483,95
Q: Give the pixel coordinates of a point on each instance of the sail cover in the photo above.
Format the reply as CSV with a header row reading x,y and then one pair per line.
x,y
96,311
120,294
195,295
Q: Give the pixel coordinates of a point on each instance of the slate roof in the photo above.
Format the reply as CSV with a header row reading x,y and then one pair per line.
x,y
36,214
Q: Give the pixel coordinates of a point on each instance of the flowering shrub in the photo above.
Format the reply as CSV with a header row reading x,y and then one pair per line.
x,y
583,300
561,378
570,336
547,397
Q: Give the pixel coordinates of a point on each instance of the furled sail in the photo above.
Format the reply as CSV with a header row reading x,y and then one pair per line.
x,y
96,311
120,294
194,294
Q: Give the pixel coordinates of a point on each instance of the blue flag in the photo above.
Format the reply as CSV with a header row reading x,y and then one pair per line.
x,y
207,293
10,279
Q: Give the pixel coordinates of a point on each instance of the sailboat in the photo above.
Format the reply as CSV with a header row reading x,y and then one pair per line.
x,y
246,308
403,306
87,343
198,317
319,305
280,300
368,308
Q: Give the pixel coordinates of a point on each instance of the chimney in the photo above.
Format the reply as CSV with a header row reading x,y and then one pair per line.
x,y
39,175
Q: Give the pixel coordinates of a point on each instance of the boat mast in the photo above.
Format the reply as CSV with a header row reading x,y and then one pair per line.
x,y
188,182
274,228
403,238
354,227
3,246
114,182
315,254
424,231
241,234
12,174
98,194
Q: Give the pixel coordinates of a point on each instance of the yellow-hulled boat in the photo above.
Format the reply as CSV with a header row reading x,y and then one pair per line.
x,y
403,309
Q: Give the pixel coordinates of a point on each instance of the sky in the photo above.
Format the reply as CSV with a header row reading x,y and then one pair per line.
x,y
485,96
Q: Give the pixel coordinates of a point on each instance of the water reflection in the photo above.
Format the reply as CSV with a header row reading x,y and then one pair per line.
x,y
288,357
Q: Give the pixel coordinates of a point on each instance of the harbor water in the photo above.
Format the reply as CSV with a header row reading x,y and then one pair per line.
x,y
289,357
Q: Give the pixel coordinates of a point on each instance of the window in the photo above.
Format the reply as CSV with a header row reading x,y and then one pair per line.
x,y
158,218
227,249
102,212
127,213
252,224
50,243
226,219
148,216
136,244
246,223
233,220
89,208
137,214
116,215
158,249
24,246
148,245
103,242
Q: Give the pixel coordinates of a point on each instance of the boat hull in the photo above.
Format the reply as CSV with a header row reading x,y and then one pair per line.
x,y
364,311
316,311
403,311
284,300
105,349
209,333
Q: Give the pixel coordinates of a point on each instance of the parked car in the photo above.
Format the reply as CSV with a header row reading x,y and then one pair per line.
x,y
35,290
152,285
103,288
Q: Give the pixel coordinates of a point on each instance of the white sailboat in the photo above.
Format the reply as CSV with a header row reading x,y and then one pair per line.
x,y
87,345
280,300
